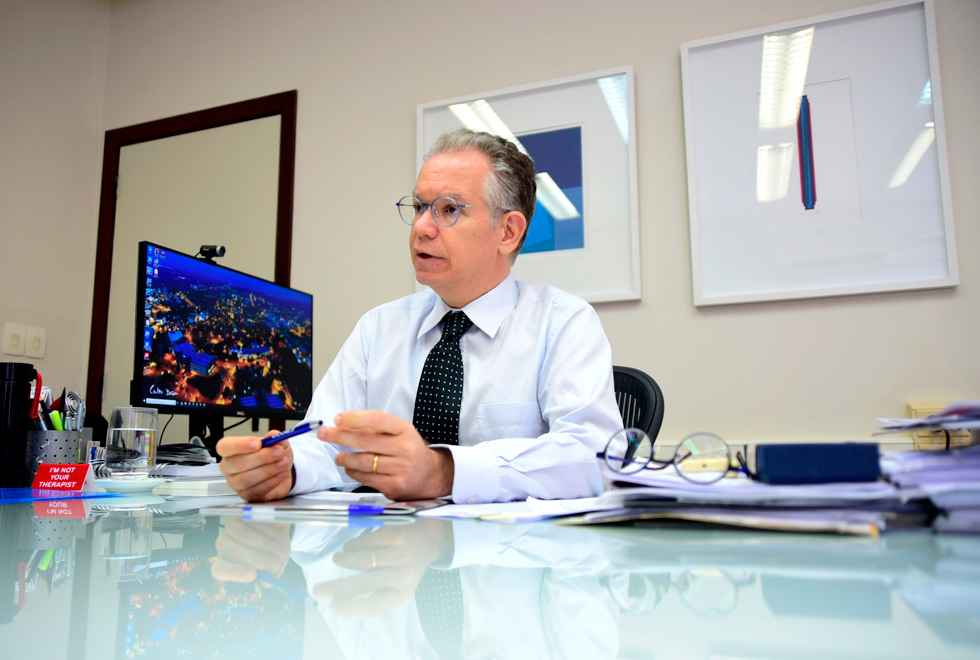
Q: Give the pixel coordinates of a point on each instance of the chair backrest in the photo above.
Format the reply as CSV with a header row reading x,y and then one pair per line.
x,y
641,403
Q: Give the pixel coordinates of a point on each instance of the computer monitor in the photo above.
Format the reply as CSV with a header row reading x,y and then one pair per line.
x,y
213,342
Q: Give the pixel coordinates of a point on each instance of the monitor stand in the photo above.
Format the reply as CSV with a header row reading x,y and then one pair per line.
x,y
209,428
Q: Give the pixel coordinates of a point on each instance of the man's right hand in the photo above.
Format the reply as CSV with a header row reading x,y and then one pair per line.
x,y
256,473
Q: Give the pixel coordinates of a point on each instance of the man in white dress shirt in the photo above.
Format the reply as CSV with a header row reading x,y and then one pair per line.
x,y
537,395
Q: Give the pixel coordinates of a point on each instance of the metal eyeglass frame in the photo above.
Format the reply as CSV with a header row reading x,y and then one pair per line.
x,y
684,451
418,209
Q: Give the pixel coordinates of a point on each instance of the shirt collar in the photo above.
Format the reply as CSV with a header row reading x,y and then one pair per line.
x,y
487,312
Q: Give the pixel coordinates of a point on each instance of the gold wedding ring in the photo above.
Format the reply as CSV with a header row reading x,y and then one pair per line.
x,y
374,466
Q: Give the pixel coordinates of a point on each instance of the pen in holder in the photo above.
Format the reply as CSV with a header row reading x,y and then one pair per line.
x,y
52,447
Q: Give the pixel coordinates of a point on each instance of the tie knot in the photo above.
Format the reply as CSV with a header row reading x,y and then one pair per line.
x,y
455,324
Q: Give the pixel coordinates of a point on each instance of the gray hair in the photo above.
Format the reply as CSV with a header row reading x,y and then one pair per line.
x,y
510,184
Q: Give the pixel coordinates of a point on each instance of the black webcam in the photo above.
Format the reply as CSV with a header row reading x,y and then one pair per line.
x,y
209,252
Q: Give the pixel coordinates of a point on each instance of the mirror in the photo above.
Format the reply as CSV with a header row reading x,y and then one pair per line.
x,y
218,176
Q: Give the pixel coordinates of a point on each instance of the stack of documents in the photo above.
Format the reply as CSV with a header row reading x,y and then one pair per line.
x,y
667,484
950,479
849,508
961,415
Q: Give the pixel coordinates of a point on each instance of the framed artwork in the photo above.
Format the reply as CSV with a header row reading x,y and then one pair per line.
x,y
581,133
816,158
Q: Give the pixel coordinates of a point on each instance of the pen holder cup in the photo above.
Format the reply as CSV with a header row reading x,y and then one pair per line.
x,y
35,533
52,447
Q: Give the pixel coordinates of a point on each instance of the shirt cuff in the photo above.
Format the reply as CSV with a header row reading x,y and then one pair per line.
x,y
475,475
305,476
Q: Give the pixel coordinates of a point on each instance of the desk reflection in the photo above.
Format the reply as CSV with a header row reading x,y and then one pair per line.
x,y
432,588
198,586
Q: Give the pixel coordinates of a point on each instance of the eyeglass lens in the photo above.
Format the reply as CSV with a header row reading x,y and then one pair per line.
x,y
702,458
628,451
445,210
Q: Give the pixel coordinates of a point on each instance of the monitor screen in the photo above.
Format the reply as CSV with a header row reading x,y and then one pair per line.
x,y
216,341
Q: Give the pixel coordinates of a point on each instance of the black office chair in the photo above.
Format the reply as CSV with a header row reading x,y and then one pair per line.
x,y
641,403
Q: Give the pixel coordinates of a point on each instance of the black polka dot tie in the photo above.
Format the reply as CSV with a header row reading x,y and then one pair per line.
x,y
440,391
439,599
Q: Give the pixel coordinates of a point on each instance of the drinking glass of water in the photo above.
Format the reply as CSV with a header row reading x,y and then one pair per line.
x,y
131,445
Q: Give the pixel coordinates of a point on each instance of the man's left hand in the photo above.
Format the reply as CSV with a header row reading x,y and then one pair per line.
x,y
393,457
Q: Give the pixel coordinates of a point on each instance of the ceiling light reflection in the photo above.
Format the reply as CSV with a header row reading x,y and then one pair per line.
x,y
479,116
926,97
785,59
773,166
915,153
554,200
614,90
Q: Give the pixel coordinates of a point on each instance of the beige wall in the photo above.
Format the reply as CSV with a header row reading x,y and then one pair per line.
x,y
212,187
52,77
805,369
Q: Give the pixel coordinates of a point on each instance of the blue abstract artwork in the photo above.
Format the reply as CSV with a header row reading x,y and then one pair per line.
x,y
557,153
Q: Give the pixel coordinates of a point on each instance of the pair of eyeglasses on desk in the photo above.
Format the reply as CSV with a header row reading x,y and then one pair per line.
x,y
701,458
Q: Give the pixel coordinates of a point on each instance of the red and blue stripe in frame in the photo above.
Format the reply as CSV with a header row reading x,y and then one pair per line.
x,y
804,139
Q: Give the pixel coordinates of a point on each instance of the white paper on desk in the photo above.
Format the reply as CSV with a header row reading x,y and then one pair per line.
x,y
953,496
529,511
841,521
186,471
904,462
341,495
667,484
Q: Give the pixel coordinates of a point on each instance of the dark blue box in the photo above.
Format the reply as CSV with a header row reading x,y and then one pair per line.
x,y
817,463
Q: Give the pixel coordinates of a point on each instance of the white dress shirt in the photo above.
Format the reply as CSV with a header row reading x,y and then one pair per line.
x,y
538,401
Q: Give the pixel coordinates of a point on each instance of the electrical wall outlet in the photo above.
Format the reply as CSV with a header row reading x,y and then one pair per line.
x,y
37,342
14,338
926,439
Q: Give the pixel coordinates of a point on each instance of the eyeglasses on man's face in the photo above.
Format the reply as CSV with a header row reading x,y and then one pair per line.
x,y
445,210
701,458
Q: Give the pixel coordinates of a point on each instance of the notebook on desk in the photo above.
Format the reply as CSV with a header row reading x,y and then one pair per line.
x,y
201,486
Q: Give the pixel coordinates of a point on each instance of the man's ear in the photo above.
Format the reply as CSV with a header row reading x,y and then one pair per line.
x,y
512,225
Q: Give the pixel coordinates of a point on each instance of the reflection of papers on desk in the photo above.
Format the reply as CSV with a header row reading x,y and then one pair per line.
x,y
171,506
320,506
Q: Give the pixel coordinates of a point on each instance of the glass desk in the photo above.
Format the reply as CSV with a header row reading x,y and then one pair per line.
x,y
137,579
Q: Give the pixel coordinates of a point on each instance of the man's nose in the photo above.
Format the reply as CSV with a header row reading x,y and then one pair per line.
x,y
426,224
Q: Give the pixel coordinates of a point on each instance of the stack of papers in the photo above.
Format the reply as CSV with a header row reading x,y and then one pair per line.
x,y
191,471
950,479
847,508
961,415
668,485
530,510
841,521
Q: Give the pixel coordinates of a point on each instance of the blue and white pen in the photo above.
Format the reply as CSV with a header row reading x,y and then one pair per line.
x,y
300,429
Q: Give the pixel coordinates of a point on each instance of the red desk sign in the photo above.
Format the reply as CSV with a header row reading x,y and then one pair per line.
x,y
53,476
62,509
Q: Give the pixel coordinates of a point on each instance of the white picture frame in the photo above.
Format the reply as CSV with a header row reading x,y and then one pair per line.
x,y
882,218
597,259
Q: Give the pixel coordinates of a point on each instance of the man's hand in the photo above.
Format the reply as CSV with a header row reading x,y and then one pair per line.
x,y
256,473
245,548
394,458
392,561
